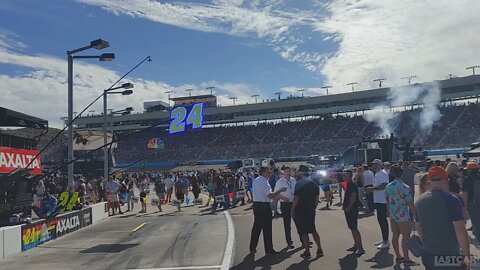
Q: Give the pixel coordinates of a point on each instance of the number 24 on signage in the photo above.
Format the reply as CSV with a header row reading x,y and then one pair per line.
x,y
194,118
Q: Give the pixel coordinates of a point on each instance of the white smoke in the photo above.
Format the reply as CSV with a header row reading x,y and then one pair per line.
x,y
383,118
428,94
430,112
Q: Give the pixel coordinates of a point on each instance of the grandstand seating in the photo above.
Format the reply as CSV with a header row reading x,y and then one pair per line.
x,y
322,135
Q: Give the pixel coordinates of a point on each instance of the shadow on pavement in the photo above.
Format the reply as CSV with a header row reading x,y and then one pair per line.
x,y
269,261
349,262
382,258
108,248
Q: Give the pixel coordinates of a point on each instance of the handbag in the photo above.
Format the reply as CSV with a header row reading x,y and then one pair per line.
x,y
415,245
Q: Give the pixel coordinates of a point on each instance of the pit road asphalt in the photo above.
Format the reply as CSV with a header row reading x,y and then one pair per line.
x,y
197,239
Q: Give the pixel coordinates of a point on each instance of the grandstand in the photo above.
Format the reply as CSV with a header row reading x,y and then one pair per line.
x,y
295,127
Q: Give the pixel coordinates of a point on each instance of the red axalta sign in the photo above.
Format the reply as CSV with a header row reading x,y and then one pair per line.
x,y
13,158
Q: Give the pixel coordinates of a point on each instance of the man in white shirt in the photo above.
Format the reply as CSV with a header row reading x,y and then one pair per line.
x,y
169,187
368,182
380,181
262,196
286,199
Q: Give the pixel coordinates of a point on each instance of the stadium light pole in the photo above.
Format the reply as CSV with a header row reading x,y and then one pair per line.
x,y
473,69
380,80
301,91
409,79
189,92
96,44
105,130
233,99
168,93
255,96
278,94
211,89
326,87
353,85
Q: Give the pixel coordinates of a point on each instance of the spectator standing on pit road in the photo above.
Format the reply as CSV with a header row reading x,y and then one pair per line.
x,y
380,181
471,197
304,208
169,186
440,222
286,200
401,211
368,183
350,206
160,190
273,181
130,194
144,188
262,214
112,187
408,176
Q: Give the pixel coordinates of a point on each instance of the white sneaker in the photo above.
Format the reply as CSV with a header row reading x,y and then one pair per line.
x,y
383,245
377,243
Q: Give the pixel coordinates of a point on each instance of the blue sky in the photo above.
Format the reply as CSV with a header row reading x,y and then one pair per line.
x,y
240,47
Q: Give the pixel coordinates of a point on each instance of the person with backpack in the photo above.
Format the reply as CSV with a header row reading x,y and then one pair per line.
x,y
471,196
160,190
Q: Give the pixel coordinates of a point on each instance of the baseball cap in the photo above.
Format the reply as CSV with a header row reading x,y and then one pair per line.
x,y
437,174
471,166
377,161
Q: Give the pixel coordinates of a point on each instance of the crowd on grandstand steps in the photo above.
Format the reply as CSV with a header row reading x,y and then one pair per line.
x,y
321,135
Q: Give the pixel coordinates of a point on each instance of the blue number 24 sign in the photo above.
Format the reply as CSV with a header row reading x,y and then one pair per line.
x,y
194,118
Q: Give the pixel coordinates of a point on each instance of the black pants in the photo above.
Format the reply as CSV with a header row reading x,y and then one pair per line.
x,y
286,208
262,222
369,199
382,219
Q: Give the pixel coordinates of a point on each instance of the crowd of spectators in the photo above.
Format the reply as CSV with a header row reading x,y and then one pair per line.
x,y
322,135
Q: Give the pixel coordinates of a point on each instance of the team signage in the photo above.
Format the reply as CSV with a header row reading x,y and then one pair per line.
x,y
15,158
183,116
43,231
38,233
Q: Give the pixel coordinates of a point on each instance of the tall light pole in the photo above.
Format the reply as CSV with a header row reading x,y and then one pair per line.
x,y
409,78
96,44
255,96
105,129
353,85
380,80
326,87
233,99
168,93
211,89
301,91
473,68
278,94
189,92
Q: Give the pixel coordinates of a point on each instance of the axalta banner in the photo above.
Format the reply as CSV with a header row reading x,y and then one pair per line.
x,y
14,158
43,231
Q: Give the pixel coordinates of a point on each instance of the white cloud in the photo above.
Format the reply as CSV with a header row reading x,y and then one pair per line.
x,y
42,91
375,39
393,39
263,19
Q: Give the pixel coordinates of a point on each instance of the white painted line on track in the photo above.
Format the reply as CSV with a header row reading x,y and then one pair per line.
x,y
228,255
184,267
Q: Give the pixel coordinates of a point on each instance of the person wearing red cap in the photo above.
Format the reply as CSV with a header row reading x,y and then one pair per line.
x,y
440,222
